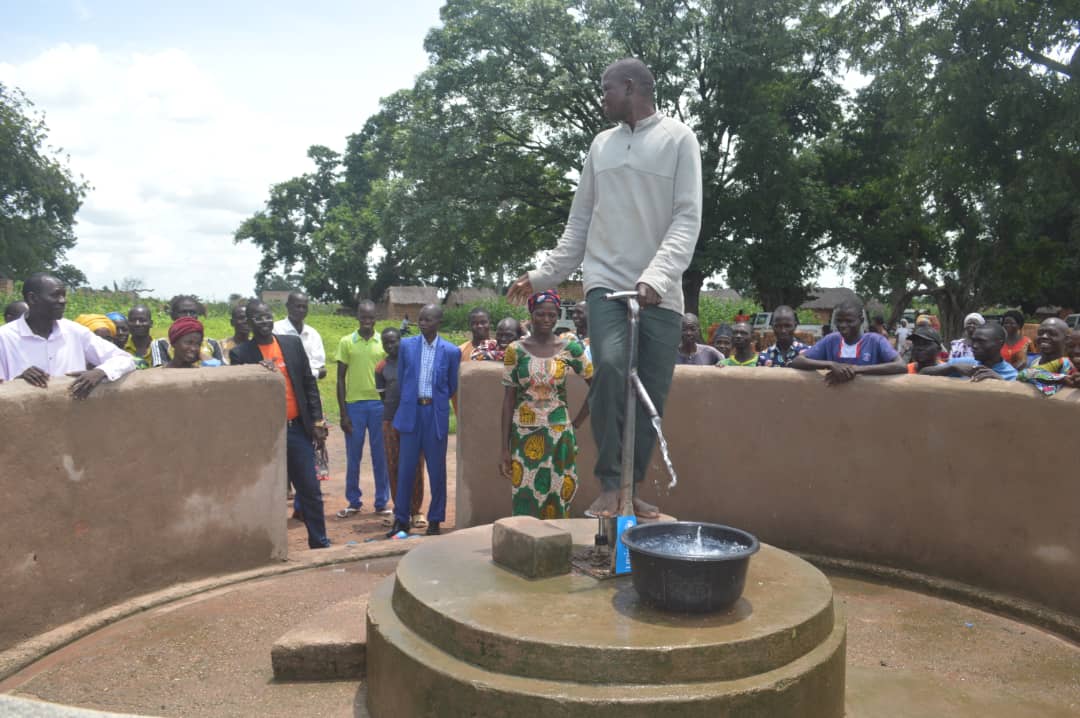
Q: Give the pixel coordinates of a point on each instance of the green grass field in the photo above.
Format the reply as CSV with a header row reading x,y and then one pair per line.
x,y
331,327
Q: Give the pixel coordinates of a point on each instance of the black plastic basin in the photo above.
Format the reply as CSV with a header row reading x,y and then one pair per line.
x,y
688,582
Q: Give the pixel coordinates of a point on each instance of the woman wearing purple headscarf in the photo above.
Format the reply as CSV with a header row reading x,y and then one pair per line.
x,y
539,450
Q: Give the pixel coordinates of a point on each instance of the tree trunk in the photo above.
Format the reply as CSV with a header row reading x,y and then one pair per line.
x,y
953,306
899,299
692,279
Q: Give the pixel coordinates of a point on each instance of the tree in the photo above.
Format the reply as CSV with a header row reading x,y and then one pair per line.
x,y
134,285
963,158
455,201
755,79
466,175
39,197
311,227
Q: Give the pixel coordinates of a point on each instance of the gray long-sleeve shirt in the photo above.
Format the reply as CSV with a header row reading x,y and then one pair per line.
x,y
636,213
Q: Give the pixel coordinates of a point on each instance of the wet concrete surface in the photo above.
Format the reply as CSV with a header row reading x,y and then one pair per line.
x,y
452,596
908,655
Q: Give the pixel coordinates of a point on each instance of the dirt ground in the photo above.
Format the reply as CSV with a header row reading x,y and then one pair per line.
x,y
365,525
908,656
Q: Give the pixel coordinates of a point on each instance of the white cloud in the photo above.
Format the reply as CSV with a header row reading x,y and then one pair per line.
x,y
176,163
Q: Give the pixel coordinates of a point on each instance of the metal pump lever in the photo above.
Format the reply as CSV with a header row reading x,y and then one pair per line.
x,y
634,387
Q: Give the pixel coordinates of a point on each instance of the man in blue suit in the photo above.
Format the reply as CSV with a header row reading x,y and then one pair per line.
x,y
428,376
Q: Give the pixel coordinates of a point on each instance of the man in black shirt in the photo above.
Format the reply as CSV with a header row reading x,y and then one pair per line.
x,y
386,382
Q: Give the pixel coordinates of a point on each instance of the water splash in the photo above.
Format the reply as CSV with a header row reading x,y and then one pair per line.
x,y
690,545
664,452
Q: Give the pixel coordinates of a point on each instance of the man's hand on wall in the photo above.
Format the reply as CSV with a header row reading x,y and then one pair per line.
x,y
268,364
839,374
35,377
85,381
983,373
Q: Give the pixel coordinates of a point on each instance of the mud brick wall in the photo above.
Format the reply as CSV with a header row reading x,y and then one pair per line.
x,y
971,482
165,476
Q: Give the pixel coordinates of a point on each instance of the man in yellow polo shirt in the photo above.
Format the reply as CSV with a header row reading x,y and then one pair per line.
x,y
362,410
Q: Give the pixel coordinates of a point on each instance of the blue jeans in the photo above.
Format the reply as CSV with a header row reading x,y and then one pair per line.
x,y
300,463
366,417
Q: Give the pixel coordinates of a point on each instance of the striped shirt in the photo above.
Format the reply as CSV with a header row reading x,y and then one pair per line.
x,y
427,366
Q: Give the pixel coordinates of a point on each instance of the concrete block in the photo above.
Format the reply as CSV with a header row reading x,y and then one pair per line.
x,y
531,547
332,645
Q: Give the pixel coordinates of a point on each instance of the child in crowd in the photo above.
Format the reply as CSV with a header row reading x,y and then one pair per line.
x,y
848,352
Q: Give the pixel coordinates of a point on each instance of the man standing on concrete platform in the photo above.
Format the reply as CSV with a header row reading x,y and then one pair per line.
x,y
297,307
633,224
428,374
305,426
41,344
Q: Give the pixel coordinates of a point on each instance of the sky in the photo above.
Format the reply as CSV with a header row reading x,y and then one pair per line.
x,y
182,115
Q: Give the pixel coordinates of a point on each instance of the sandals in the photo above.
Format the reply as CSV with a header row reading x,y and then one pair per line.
x,y
418,521
347,512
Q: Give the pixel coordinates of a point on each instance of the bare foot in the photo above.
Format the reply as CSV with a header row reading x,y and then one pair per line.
x,y
606,504
645,510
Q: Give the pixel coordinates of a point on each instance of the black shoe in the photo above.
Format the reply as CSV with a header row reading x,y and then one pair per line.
x,y
433,528
398,526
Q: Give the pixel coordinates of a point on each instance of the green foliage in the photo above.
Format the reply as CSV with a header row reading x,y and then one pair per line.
x,y
38,195
457,318
312,231
466,175
713,311
755,79
953,175
722,311
957,174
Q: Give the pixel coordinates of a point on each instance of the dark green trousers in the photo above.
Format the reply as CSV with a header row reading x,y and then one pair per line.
x,y
659,332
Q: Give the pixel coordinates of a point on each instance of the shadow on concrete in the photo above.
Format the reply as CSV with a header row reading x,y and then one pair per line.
x,y
626,602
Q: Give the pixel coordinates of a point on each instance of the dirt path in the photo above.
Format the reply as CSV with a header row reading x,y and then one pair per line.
x,y
365,525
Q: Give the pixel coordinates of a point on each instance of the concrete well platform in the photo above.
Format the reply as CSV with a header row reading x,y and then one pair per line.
x,y
452,634
909,655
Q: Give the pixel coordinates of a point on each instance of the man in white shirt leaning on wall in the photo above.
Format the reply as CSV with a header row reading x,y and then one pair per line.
x,y
42,344
633,225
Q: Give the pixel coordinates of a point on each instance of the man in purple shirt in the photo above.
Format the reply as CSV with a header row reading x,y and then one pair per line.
x,y
690,352
847,352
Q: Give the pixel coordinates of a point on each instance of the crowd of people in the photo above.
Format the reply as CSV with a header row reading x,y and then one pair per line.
x,y
633,223
985,350
395,393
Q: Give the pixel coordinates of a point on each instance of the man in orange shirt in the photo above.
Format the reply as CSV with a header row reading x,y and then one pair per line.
x,y
306,428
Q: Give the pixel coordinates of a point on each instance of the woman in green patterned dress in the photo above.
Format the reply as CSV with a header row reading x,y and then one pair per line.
x,y
539,447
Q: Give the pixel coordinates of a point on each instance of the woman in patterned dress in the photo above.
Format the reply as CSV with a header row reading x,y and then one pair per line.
x,y
539,447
